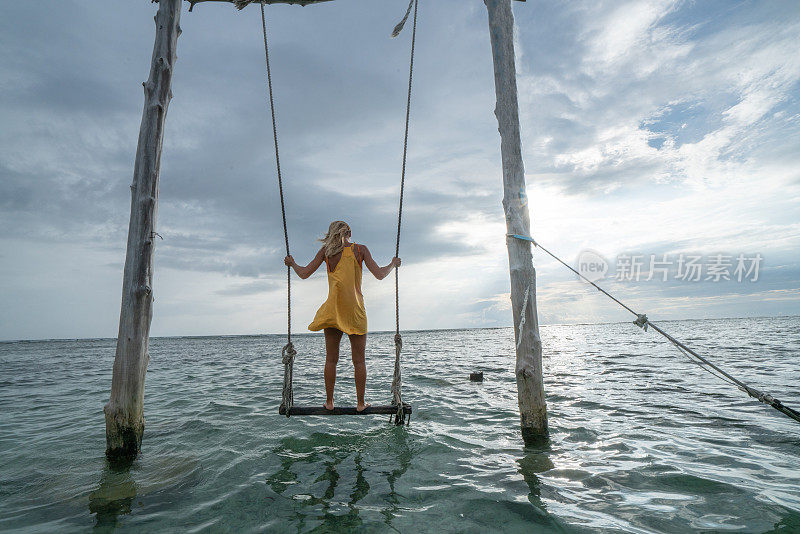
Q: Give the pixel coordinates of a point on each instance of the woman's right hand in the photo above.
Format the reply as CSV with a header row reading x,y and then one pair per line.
x,y
288,261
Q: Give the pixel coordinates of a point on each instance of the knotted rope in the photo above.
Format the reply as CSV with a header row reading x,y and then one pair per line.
x,y
287,356
397,398
643,322
397,382
288,352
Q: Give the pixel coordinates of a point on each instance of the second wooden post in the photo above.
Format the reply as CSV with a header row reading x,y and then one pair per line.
x,y
530,388
125,410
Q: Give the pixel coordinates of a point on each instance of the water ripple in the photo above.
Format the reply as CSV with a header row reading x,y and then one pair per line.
x,y
642,440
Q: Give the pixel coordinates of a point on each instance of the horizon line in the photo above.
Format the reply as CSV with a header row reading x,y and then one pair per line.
x,y
35,340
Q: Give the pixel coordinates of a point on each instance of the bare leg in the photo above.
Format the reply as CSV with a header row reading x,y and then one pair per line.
x,y
358,345
332,339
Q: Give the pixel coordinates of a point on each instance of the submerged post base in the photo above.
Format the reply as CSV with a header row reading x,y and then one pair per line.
x,y
123,437
533,423
535,437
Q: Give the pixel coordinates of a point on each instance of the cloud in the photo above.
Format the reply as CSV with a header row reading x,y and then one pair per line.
x,y
249,288
645,61
653,126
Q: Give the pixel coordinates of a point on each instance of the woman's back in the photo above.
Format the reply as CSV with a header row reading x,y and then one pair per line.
x,y
333,261
344,308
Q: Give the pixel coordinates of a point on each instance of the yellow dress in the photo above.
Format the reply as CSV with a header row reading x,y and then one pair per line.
x,y
344,308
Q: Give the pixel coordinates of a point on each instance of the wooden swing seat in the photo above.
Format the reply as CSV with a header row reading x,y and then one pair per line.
x,y
344,410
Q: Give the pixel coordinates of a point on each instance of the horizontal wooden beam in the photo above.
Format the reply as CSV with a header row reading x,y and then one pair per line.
x,y
295,2
343,410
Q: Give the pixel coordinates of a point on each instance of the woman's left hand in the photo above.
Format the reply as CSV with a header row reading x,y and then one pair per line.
x,y
396,261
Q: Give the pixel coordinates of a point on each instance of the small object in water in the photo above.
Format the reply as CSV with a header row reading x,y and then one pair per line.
x,y
476,377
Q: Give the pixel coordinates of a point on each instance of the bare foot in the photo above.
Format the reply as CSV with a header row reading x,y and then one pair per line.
x,y
362,407
328,406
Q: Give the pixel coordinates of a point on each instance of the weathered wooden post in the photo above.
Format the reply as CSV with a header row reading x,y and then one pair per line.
x,y
124,411
530,389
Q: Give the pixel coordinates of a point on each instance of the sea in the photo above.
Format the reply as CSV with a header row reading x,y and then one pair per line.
x,y
641,438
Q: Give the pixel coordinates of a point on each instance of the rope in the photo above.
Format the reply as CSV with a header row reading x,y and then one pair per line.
x,y
287,356
288,352
642,322
399,27
397,398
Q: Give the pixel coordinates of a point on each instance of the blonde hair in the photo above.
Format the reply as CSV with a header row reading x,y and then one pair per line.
x,y
333,242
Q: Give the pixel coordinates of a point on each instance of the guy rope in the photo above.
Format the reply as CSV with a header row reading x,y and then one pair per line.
x,y
643,322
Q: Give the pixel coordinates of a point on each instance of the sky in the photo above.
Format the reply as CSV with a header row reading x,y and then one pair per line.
x,y
652,131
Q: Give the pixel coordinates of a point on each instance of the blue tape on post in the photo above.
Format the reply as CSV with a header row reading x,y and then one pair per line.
x,y
523,238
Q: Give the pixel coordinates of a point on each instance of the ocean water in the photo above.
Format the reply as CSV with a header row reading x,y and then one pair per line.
x,y
642,440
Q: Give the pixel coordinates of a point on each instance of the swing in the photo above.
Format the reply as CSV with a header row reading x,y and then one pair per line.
x,y
398,410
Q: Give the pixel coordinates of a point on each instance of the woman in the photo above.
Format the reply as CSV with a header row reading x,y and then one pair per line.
x,y
344,311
